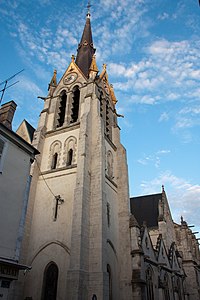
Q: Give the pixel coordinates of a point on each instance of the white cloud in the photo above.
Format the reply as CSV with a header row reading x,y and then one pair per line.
x,y
183,196
147,100
184,123
164,117
154,159
163,16
190,110
163,151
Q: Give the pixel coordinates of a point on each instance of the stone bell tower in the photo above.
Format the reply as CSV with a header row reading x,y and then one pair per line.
x,y
77,234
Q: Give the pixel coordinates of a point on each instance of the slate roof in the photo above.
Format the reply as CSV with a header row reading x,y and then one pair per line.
x,y
30,130
85,49
145,209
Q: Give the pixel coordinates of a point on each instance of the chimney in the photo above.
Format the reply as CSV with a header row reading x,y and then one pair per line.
x,y
7,111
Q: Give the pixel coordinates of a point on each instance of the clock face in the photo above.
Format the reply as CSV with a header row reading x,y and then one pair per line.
x,y
70,78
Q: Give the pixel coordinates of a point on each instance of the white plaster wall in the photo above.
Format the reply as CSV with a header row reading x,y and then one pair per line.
x,y
13,182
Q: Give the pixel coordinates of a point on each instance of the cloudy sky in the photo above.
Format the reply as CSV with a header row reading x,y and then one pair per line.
x,y
151,48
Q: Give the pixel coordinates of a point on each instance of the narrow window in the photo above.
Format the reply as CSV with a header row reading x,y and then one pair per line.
x,y
50,280
108,124
109,281
1,147
101,104
146,242
110,164
62,107
149,284
69,157
166,288
75,104
54,161
179,289
108,214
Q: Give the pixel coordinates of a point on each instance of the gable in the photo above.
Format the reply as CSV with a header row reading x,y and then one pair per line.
x,y
26,131
173,258
147,246
162,252
71,76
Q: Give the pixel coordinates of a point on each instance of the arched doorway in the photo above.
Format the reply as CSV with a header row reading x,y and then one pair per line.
x,y
50,279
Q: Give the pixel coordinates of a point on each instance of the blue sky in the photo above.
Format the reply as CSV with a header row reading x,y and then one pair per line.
x,y
151,48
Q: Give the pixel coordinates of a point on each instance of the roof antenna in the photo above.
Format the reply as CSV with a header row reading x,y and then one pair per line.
x,y
88,7
5,82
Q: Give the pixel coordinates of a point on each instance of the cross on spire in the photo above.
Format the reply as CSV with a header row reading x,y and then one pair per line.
x,y
88,7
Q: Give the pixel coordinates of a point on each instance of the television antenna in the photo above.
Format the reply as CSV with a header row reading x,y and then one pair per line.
x,y
5,82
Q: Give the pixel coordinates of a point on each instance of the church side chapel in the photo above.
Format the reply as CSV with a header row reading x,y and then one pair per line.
x,y
84,239
165,256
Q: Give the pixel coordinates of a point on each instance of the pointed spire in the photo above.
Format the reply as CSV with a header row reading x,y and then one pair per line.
x,y
86,49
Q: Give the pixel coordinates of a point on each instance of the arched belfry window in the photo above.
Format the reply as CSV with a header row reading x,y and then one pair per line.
x,y
61,109
75,104
70,148
54,155
50,280
149,284
109,281
54,161
69,157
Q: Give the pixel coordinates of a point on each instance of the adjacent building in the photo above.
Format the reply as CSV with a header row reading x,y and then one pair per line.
x,y
16,157
169,251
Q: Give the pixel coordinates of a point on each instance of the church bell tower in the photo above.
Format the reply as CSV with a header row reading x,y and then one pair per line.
x,y
77,237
